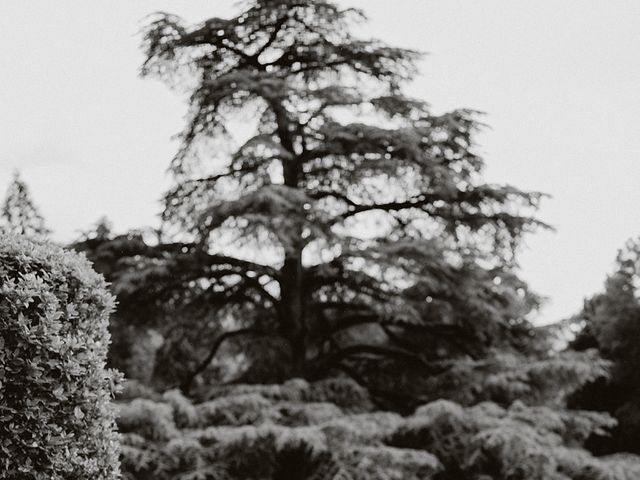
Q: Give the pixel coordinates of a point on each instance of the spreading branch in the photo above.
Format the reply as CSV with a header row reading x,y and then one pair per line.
x,y
185,386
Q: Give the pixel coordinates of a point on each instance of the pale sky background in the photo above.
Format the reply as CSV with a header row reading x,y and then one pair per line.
x,y
558,79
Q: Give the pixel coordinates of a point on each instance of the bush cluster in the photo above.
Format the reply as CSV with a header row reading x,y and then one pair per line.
x,y
56,421
298,431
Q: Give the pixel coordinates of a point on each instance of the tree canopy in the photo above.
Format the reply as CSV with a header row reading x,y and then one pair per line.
x,y
349,221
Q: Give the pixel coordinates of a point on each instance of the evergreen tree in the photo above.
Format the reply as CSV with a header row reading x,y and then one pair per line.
x,y
610,323
19,214
352,223
115,257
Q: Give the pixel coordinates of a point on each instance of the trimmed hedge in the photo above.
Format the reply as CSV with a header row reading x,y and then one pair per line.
x,y
56,421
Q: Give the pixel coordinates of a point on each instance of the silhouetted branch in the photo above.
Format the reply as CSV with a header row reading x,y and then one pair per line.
x,y
201,367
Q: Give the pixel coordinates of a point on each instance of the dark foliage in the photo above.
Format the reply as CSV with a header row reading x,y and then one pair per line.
x,y
610,322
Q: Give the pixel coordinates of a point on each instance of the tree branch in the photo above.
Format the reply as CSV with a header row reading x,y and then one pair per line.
x,y
349,322
208,259
377,350
277,27
414,202
250,59
185,386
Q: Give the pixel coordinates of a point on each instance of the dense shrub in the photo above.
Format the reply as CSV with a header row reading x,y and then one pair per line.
x,y
55,418
274,432
507,377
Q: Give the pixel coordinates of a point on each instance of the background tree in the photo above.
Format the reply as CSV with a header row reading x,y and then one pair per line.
x,y
136,325
351,222
610,322
162,339
19,214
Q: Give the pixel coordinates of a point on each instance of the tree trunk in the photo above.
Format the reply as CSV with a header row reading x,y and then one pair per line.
x,y
292,314
292,311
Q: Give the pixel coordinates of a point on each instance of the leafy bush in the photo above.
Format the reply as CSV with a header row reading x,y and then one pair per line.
x,y
132,389
55,418
342,391
151,419
183,411
506,377
274,432
239,409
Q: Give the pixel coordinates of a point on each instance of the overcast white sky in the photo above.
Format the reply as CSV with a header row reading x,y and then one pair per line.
x,y
559,80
